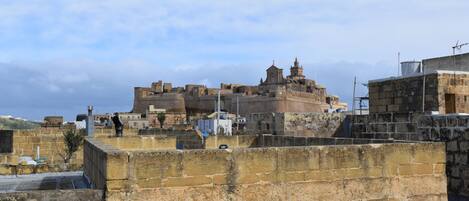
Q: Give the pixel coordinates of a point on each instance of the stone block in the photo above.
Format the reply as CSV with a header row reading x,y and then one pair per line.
x,y
149,183
220,179
256,160
186,181
298,159
117,184
452,146
464,146
205,162
249,178
116,165
415,169
293,177
5,170
159,164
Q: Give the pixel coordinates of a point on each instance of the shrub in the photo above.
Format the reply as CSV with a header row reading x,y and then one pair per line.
x,y
73,140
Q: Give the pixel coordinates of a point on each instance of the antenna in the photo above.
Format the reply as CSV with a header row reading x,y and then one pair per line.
x,y
458,47
398,63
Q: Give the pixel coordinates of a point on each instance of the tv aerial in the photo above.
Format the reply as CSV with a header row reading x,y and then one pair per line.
x,y
458,47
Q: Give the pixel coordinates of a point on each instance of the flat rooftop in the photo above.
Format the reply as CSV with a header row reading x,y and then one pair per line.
x,y
44,181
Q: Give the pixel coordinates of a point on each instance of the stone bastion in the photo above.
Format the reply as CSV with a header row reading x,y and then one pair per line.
x,y
266,167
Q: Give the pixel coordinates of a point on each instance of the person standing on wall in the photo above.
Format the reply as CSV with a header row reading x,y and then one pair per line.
x,y
118,125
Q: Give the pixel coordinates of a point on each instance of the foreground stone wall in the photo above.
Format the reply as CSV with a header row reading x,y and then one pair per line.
x,y
297,124
452,129
51,145
402,171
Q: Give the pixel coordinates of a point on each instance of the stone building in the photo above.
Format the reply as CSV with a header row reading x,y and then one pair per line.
x,y
53,121
442,87
277,93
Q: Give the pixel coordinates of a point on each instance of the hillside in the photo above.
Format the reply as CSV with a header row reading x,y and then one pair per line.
x,y
12,123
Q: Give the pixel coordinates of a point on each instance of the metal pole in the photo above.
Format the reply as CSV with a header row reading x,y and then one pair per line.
x,y
423,90
398,63
353,105
90,122
237,112
353,101
218,113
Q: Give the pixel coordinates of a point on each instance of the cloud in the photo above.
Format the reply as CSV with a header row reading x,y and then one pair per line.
x,y
59,56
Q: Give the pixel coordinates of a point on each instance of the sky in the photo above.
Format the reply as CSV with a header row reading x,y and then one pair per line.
x,y
57,57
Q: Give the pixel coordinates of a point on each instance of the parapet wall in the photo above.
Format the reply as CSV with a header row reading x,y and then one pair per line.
x,y
51,147
452,129
312,124
395,171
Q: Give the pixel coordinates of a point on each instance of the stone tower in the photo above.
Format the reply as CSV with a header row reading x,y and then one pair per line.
x,y
296,71
274,75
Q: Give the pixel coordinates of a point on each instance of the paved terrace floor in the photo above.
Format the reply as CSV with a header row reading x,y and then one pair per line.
x,y
45,181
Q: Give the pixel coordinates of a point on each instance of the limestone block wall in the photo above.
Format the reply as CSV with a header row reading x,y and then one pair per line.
x,y
403,94
297,124
457,151
458,62
236,141
49,140
140,142
451,129
394,171
51,145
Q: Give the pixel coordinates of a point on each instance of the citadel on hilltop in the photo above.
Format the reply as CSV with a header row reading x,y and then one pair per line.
x,y
294,93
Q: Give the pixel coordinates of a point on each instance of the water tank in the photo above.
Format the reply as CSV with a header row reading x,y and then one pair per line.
x,y
411,68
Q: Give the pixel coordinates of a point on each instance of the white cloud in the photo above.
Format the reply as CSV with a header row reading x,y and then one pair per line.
x,y
96,51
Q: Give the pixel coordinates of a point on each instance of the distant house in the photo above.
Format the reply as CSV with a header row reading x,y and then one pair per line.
x,y
212,125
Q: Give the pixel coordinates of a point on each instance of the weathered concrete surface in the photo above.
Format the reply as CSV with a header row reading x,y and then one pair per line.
x,y
402,171
54,195
70,186
46,181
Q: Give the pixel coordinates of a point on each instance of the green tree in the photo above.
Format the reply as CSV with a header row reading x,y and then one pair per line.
x,y
161,118
73,140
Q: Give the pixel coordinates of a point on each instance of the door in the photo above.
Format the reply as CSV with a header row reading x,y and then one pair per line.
x,y
450,103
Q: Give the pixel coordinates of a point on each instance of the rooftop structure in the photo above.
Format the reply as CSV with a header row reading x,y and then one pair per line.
x,y
439,86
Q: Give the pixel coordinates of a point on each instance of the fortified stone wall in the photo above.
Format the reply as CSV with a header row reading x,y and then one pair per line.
x,y
297,124
172,102
399,171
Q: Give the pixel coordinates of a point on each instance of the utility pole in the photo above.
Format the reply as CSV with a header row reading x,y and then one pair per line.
x,y
423,90
398,63
237,112
218,113
353,105
90,122
353,101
